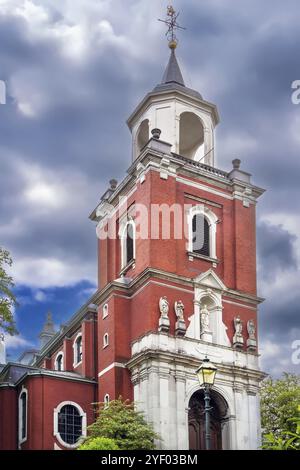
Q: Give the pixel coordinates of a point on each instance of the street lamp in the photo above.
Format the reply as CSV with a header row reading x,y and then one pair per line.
x,y
206,375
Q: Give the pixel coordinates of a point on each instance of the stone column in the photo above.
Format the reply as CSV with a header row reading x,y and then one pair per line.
x,y
164,405
181,421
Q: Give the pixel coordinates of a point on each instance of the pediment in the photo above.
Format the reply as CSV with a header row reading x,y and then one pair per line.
x,y
210,280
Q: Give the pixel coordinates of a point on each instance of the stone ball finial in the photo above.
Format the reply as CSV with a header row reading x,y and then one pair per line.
x,y
156,133
173,44
113,184
236,163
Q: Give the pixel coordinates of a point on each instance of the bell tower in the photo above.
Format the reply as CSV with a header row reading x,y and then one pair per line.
x,y
185,119
167,297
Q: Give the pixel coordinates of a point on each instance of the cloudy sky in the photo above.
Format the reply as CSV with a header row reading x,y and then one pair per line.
x,y
74,71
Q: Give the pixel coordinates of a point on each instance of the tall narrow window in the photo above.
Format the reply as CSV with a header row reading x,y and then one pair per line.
x,y
78,350
201,234
129,243
59,362
23,416
127,235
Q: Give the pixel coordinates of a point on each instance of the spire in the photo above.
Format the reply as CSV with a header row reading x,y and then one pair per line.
x,y
173,73
48,330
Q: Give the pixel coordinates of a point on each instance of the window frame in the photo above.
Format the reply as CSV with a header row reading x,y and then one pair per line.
x,y
22,439
104,311
83,424
212,220
105,340
75,353
60,353
123,238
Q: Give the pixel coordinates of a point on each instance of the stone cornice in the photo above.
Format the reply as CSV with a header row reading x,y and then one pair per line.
x,y
190,363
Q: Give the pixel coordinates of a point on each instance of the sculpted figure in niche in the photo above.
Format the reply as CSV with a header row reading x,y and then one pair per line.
x,y
204,319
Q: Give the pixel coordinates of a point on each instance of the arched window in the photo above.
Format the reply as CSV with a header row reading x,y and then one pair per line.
x,y
105,311
23,416
69,424
191,136
142,136
106,399
59,362
105,340
128,243
201,242
77,349
202,225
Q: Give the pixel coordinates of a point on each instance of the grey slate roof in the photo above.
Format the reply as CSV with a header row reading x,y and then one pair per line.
x,y
173,79
173,73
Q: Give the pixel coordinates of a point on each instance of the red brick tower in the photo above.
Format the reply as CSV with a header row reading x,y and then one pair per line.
x,y
177,275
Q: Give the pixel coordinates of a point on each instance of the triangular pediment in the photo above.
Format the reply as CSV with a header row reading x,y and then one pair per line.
x,y
211,280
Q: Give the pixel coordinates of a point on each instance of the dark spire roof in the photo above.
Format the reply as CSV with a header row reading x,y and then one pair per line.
x,y
172,79
173,73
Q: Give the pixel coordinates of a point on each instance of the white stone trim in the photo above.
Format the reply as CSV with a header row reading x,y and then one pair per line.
x,y
60,353
75,363
203,188
212,219
111,366
55,420
20,438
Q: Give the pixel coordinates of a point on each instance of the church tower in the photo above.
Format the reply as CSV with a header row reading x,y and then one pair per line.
x,y
177,275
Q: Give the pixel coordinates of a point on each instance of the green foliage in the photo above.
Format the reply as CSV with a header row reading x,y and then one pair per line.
x,y
120,421
99,443
7,298
279,405
288,441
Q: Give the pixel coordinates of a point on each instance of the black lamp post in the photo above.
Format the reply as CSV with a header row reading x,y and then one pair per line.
x,y
206,375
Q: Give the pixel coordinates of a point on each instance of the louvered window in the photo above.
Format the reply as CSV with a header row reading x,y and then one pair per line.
x,y
129,243
201,235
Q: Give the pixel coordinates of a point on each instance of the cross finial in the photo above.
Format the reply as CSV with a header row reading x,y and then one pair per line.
x,y
172,24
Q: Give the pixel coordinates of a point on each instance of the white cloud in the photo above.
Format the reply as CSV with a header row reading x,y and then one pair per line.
x,y
40,296
51,272
15,342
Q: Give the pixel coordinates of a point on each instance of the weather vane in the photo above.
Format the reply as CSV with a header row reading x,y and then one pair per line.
x,y
172,24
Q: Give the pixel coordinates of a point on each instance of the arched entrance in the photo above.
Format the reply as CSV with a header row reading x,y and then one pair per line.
x,y
197,420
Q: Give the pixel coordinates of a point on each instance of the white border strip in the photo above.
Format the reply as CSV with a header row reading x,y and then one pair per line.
x,y
111,366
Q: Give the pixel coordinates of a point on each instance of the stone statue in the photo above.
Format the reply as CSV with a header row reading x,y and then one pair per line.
x,y
238,325
238,340
251,329
204,319
179,310
164,307
164,322
251,341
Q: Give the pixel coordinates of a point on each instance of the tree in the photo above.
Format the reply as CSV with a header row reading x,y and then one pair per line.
x,y
120,421
7,297
287,440
99,443
280,400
